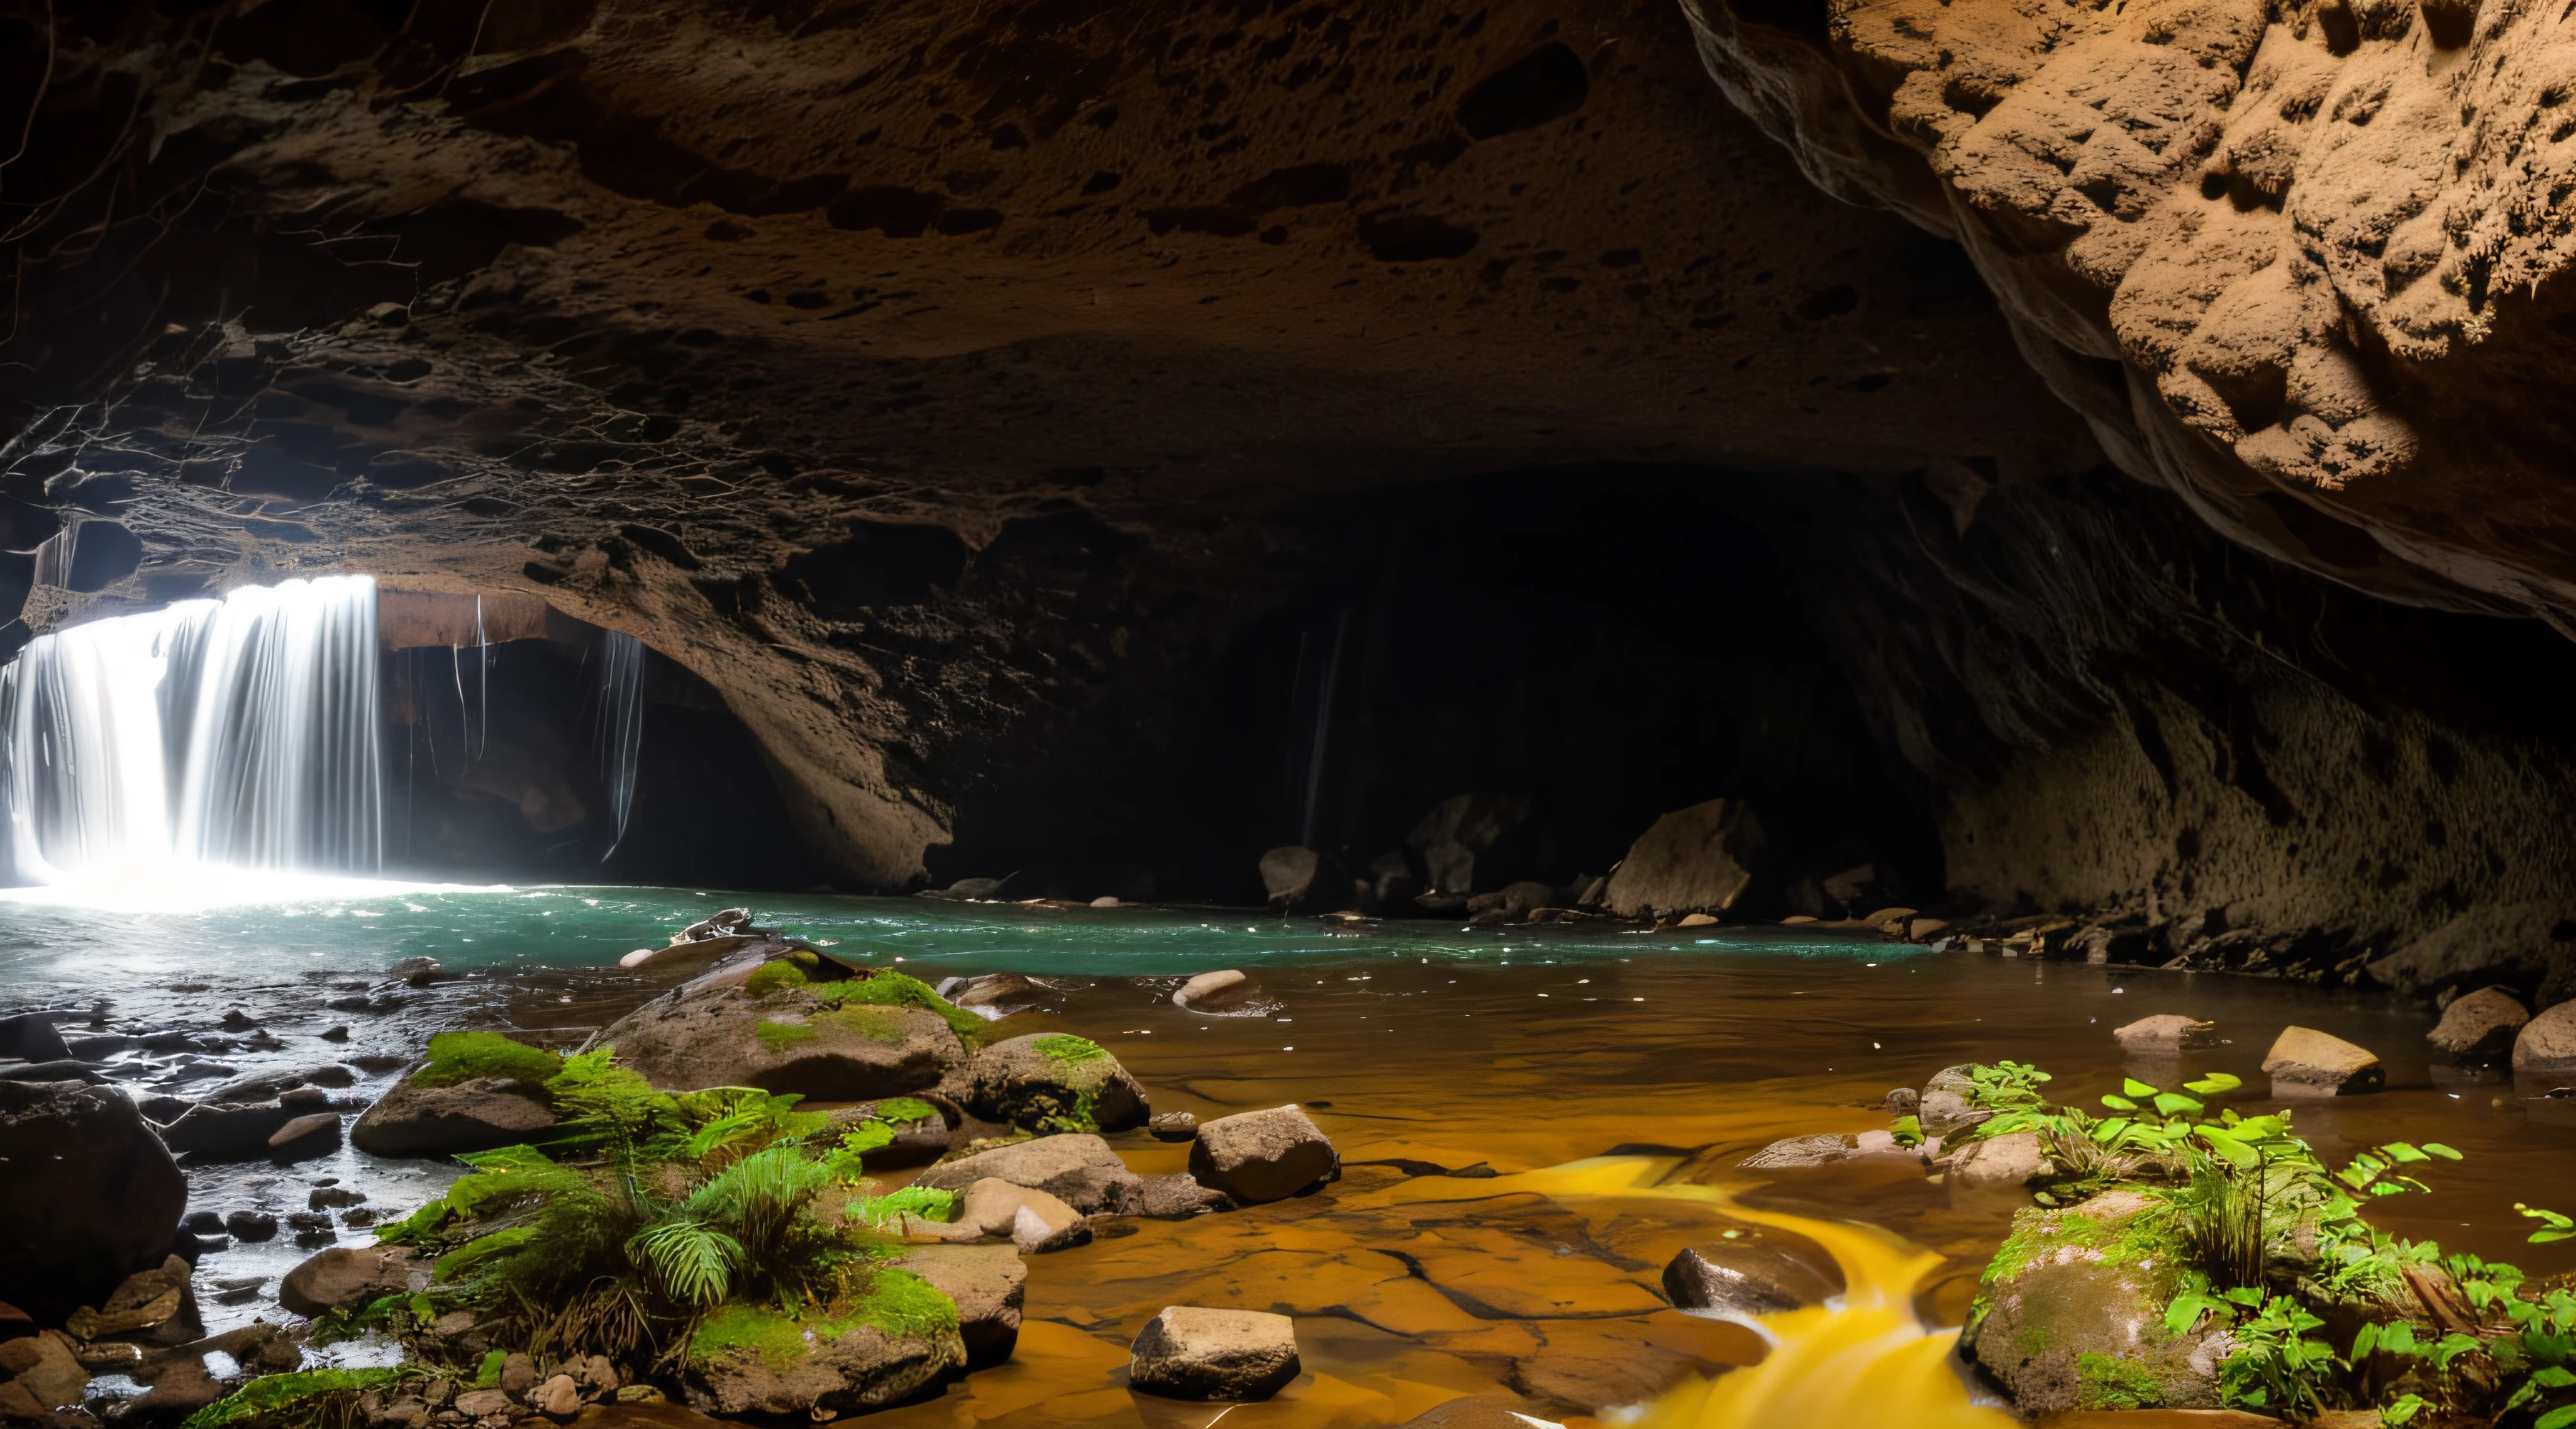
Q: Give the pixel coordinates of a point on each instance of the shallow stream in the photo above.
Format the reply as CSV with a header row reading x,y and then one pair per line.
x,y
1532,1121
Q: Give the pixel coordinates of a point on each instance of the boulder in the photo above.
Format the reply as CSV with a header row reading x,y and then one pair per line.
x,y
752,1361
715,1032
558,1398
2546,1046
90,1195
1470,838
988,1282
1295,877
1903,1101
310,1135
348,1278
181,1388
994,994
1233,1355
1079,1170
265,1086
214,1129
1174,1126
1055,1082
2166,1033
1752,1270
2012,1160
476,1115
162,1300
32,1037
1694,860
1948,1103
1173,1198
1033,1221
2072,1313
1258,1156
2481,1026
45,1367
1798,1152
2306,1062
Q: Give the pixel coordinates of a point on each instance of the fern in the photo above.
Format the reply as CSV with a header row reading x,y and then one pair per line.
x,y
692,1261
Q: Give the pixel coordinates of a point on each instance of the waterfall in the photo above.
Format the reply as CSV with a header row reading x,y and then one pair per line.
x,y
618,734
240,732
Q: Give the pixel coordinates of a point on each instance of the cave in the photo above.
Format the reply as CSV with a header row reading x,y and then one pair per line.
x,y
1068,712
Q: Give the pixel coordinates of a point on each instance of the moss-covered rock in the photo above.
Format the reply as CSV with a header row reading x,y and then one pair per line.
x,y
477,1091
1055,1082
2071,1314
895,1344
782,1027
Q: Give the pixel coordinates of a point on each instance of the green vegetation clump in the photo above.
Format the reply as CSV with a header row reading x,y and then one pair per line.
x,y
1066,1050
894,1302
779,1036
773,975
283,1395
903,1111
464,1056
886,988
2102,1382
2271,1248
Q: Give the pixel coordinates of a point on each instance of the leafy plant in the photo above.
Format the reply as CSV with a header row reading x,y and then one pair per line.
x,y
2553,1225
2277,1363
466,1056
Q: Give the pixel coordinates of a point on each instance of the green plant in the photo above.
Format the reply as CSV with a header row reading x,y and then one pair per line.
x,y
2277,1364
770,976
887,988
2553,1226
279,1395
465,1056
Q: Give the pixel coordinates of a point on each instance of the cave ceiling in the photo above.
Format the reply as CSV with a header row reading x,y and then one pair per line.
x,y
638,305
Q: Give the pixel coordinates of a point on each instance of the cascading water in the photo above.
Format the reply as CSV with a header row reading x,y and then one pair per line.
x,y
619,733
239,733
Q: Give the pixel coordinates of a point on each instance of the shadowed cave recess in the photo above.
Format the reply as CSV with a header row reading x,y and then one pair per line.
x,y
1099,443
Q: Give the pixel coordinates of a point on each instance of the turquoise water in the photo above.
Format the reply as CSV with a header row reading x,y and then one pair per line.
x,y
359,928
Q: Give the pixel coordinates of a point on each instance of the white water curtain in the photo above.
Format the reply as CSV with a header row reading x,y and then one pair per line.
x,y
241,732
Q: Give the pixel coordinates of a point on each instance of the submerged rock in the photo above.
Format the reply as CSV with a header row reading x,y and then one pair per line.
x,y
1033,1221
1234,1355
2072,1312
1752,1270
2012,1160
2306,1062
90,1195
1216,991
753,1361
1055,1082
1948,1103
745,1025
1259,1156
348,1278
1079,1170
2166,1032
1796,1152
2480,1027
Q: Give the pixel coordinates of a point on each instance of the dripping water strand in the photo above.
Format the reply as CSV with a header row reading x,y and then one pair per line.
x,y
618,729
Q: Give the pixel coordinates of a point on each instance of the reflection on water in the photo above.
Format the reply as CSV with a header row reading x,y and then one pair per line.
x,y
1533,1122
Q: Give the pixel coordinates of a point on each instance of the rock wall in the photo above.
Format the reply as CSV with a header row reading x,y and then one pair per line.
x,y
2297,263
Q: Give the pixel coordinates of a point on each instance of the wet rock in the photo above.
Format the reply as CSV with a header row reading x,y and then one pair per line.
x,y
1055,1082
1215,992
265,1086
476,1115
482,1403
518,1375
1948,1103
1033,1221
1232,1355
1752,1270
811,1368
163,1110
993,993
347,1278
1799,1152
1174,1126
45,1367
246,1225
2546,1046
1259,1156
1079,1170
58,1071
557,1398
213,1130
338,1032
2480,1027
313,1134
988,1282
974,890
417,971
332,1198
1176,1198
712,1032
89,1197
181,1388
2165,1032
2013,1160
2062,1324
162,1300
1479,1412
1472,840
2306,1062
1903,1101
1694,860
32,1037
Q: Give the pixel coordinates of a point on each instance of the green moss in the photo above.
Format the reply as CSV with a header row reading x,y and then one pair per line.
x,y
464,1056
903,1111
272,1395
2104,1382
779,1036
1066,1050
894,989
896,1302
773,975
877,1024
2149,1233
